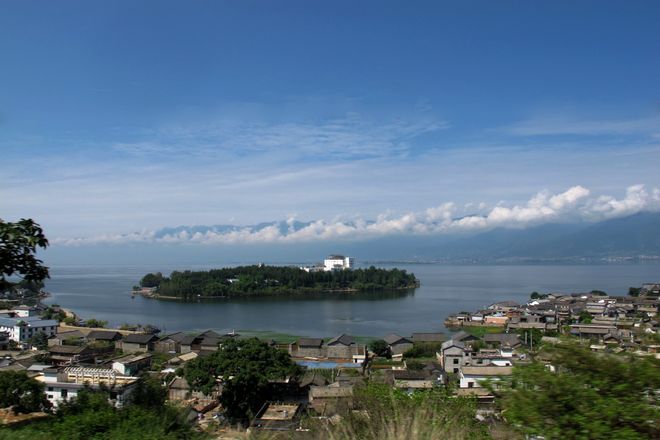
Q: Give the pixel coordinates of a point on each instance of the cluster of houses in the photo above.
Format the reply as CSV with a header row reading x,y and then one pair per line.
x,y
342,348
610,322
79,357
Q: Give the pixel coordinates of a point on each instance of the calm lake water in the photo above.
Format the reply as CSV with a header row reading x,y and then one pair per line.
x,y
104,293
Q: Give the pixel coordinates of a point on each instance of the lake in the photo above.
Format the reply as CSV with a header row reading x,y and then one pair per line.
x,y
103,292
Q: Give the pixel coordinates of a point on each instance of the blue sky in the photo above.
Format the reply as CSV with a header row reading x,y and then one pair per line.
x,y
118,117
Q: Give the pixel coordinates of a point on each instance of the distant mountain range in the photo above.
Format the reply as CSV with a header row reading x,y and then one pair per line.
x,y
633,237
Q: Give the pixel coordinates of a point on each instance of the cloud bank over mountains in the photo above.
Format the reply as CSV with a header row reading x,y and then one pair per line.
x,y
576,204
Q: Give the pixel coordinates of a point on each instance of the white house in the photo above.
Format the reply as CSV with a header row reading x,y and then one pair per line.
x,y
338,262
474,376
25,311
62,385
22,329
132,363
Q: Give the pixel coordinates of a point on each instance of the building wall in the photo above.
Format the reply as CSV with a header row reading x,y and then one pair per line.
x,y
331,405
476,381
21,333
128,347
315,352
338,263
401,348
453,358
57,393
167,347
178,394
341,351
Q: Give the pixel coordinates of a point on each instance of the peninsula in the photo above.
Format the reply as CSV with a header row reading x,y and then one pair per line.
x,y
262,280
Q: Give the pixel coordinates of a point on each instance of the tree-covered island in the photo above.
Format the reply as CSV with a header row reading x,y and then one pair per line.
x,y
260,280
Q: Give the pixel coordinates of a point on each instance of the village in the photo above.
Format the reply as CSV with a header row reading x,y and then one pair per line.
x,y
485,347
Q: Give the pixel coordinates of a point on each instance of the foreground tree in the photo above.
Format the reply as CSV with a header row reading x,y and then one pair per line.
x,y
380,348
246,369
18,244
21,392
588,396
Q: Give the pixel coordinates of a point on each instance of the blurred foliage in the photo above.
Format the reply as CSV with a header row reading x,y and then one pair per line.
x,y
589,396
384,413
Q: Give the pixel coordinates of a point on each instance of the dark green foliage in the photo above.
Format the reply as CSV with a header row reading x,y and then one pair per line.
x,y
598,293
96,323
380,348
52,313
415,365
18,244
22,392
245,368
151,280
477,345
260,280
33,286
423,349
536,295
585,317
39,340
591,396
634,291
150,393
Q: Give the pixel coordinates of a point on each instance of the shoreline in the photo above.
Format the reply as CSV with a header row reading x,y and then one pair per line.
x,y
152,295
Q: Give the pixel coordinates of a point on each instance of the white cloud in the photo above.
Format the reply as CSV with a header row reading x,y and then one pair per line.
x,y
636,199
574,204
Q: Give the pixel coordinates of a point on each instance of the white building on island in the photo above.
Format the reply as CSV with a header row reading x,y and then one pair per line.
x,y
338,262
333,262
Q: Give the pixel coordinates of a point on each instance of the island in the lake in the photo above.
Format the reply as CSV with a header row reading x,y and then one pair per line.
x,y
262,280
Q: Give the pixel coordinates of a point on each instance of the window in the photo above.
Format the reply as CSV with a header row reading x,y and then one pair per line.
x,y
470,384
65,393
50,388
455,370
455,361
